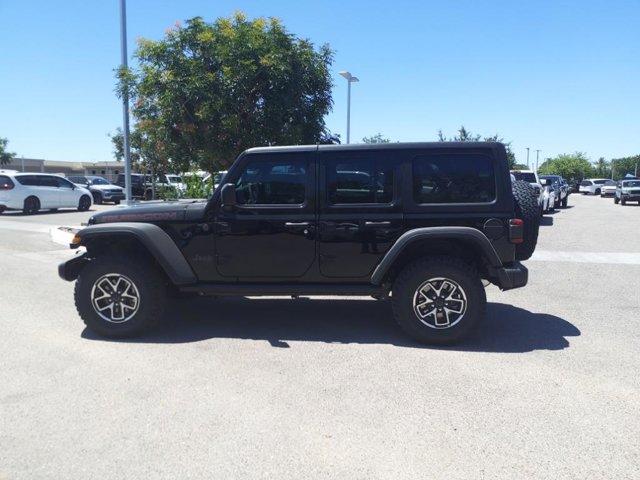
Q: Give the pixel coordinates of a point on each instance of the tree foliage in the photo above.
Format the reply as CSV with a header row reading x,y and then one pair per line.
x,y
465,135
571,166
207,91
625,165
602,168
377,138
5,156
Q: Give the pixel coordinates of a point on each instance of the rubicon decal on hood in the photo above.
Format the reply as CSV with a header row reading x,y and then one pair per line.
x,y
138,217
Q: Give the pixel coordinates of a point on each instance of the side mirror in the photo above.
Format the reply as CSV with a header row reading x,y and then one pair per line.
x,y
228,195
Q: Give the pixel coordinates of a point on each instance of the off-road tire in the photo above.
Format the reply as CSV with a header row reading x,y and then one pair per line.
x,y
149,281
418,272
528,211
31,205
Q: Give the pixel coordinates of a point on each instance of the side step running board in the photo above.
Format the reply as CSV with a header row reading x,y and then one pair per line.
x,y
269,289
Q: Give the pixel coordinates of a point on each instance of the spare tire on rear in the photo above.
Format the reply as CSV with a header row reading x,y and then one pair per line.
x,y
528,210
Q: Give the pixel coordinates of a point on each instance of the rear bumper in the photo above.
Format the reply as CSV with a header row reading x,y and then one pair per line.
x,y
514,275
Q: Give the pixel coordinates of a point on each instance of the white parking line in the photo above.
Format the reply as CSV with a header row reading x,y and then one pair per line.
x,y
620,258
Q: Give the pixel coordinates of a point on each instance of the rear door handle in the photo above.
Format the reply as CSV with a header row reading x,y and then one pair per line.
x,y
297,224
377,224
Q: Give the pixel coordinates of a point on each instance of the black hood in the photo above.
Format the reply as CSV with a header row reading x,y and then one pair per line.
x,y
160,212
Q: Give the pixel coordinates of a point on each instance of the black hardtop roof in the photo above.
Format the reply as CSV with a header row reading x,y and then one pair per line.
x,y
377,146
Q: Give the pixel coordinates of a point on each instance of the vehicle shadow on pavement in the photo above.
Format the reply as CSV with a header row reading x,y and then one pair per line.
x,y
546,221
506,329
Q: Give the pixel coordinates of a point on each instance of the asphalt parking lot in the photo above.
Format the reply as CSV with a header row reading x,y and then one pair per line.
x,y
548,387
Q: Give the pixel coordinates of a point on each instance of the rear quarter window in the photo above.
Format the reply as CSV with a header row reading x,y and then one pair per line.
x,y
453,178
5,182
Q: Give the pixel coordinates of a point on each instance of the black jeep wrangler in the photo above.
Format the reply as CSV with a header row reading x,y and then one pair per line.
x,y
424,223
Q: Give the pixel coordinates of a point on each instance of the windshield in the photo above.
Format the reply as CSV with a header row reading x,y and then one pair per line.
x,y
526,176
99,181
631,183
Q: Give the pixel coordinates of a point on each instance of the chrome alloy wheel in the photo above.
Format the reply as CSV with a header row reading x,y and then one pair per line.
x,y
115,298
440,303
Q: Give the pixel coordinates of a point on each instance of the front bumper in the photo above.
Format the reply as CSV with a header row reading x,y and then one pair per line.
x,y
514,275
113,196
70,269
604,193
631,197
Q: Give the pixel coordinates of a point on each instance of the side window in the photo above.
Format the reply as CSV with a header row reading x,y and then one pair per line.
x,y
453,178
63,182
359,180
27,180
273,182
46,181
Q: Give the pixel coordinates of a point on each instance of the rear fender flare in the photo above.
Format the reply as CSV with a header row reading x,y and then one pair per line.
x,y
467,234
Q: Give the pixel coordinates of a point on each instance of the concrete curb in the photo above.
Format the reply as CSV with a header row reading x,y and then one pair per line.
x,y
63,235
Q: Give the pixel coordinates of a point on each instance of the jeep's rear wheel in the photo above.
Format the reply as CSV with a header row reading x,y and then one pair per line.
x,y
527,210
118,296
438,299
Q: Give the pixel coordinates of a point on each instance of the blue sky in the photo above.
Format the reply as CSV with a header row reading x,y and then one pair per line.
x,y
558,76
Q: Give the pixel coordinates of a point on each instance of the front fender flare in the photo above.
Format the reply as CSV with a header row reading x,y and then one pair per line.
x,y
467,234
157,242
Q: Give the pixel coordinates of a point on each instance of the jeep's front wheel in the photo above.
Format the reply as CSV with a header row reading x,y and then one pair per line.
x,y
118,296
438,300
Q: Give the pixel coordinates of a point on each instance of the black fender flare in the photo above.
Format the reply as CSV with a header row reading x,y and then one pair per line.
x,y
157,242
468,234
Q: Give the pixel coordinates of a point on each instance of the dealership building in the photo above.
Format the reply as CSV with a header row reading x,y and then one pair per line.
x,y
108,170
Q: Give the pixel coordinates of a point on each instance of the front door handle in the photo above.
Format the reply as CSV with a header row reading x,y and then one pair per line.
x,y
377,224
297,224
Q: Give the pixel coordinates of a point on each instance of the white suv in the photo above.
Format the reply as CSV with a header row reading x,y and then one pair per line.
x,y
31,192
592,186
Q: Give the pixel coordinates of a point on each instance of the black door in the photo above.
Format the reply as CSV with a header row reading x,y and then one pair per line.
x,y
360,213
271,232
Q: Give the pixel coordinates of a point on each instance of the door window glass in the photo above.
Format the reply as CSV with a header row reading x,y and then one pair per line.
x,y
46,181
359,180
63,182
453,178
273,182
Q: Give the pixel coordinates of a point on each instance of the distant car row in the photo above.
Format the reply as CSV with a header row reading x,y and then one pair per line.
x,y
552,190
31,192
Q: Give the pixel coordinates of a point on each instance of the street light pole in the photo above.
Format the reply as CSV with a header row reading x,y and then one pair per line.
x,y
125,103
350,79
537,159
527,157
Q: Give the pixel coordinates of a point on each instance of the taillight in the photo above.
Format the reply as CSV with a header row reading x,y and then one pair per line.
x,y
516,230
6,185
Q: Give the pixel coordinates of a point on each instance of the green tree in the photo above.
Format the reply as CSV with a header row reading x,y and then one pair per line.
x,y
377,138
211,90
571,166
625,165
602,168
465,135
5,156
